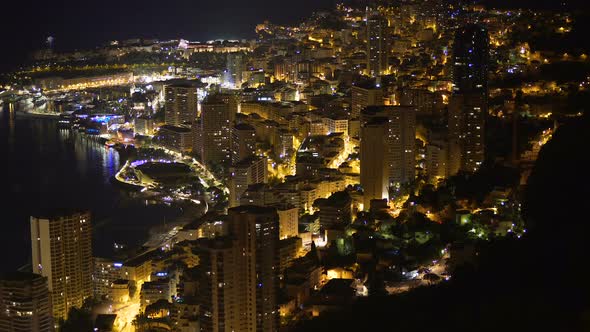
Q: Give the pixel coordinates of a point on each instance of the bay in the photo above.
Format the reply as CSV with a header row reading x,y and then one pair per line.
x,y
43,167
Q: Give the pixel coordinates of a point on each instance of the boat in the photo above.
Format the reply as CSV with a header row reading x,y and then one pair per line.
x,y
39,102
25,104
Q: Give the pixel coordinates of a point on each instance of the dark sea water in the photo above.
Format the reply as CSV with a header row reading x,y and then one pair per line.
x,y
44,167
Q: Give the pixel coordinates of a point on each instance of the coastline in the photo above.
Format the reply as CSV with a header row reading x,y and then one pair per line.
x,y
125,186
155,232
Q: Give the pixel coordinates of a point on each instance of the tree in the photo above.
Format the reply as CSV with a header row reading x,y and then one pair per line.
x,y
79,320
506,290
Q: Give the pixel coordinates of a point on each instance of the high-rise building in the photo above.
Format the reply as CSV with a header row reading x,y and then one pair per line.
x,y
426,102
288,221
401,141
232,102
218,295
466,132
250,170
235,67
256,231
213,130
284,146
468,106
363,96
377,45
374,166
25,303
62,252
181,103
436,160
176,138
470,60
336,210
402,144
243,142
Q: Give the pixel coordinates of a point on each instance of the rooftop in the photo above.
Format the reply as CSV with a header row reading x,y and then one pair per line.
x,y
176,129
181,83
222,242
19,276
252,209
338,286
243,126
58,213
247,162
337,198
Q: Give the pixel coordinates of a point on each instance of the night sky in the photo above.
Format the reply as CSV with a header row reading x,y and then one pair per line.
x,y
84,23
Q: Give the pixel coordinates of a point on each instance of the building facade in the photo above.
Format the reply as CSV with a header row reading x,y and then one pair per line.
x,y
377,45
25,303
243,142
250,170
176,138
181,103
288,221
363,96
218,296
467,114
374,165
256,230
213,130
62,252
400,144
468,106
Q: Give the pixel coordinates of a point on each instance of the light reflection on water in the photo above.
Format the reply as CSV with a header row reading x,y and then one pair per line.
x,y
46,167
90,152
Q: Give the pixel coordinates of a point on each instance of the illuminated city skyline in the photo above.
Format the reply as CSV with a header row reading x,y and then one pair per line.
x,y
366,165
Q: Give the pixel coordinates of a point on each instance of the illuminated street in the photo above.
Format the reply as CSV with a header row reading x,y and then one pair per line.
x,y
125,315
